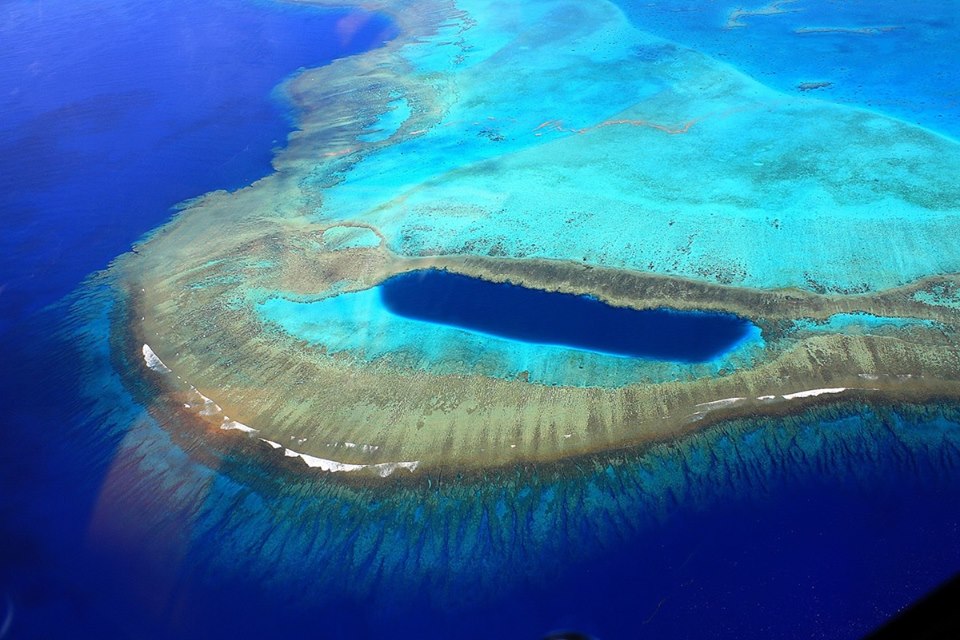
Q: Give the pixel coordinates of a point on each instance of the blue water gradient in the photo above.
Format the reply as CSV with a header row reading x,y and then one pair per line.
x,y
541,317
365,326
817,526
113,111
903,64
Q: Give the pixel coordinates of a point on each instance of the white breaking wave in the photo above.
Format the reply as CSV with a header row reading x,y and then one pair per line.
x,y
383,469
233,425
813,392
362,447
716,404
329,465
153,361
209,406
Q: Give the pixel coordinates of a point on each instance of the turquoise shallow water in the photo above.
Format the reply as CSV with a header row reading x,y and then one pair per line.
x,y
622,149
361,325
820,525
860,323
901,61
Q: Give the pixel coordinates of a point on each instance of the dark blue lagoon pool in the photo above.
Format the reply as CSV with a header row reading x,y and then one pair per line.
x,y
114,525
582,322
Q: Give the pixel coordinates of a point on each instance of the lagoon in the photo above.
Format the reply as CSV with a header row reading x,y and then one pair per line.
x,y
578,321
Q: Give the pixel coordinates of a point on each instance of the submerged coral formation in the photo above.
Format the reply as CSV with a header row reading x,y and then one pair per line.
x,y
555,146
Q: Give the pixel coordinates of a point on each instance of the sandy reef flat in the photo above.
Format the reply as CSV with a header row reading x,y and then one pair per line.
x,y
558,147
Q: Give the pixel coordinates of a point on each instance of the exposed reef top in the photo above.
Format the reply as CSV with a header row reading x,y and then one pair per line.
x,y
559,148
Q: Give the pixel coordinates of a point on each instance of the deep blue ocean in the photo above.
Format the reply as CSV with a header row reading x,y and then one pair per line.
x,y
113,111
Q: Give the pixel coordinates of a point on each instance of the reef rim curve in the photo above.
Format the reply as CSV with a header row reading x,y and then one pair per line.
x,y
439,188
